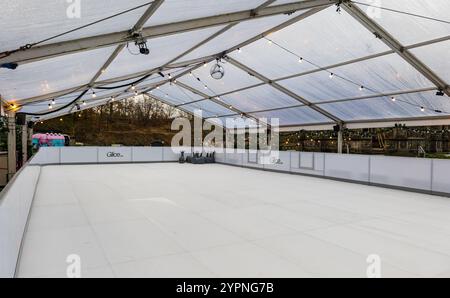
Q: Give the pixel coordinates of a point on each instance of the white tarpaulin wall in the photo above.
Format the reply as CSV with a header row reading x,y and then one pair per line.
x,y
305,65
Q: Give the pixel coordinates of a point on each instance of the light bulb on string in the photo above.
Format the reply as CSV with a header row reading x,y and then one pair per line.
x,y
331,75
393,98
53,102
133,87
50,106
422,109
94,95
361,88
300,60
84,103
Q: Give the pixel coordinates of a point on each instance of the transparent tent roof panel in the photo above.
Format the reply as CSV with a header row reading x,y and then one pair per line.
x,y
207,108
236,122
101,95
175,94
259,98
55,17
233,79
55,74
410,29
148,82
236,35
162,51
172,11
280,2
436,57
293,116
379,75
342,39
405,106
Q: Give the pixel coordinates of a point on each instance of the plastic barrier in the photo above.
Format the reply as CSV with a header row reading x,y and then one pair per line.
x,y
92,155
416,174
15,204
419,174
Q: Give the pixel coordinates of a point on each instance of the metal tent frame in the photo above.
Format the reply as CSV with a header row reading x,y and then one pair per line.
x,y
226,22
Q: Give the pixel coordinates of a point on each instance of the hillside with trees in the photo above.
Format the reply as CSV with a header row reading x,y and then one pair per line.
x,y
129,122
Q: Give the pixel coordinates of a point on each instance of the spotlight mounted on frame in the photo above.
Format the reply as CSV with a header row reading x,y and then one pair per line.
x,y
141,43
440,92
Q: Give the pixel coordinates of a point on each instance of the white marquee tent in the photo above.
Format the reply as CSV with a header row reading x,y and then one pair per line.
x,y
311,63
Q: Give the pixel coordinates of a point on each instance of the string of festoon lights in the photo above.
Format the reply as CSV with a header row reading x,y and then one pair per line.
x,y
78,103
207,88
166,98
195,103
361,87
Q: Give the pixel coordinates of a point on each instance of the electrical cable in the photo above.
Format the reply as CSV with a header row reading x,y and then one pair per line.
x,y
195,102
105,89
146,76
204,85
125,85
131,52
58,109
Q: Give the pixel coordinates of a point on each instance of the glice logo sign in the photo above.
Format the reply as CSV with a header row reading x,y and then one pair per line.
x,y
114,155
74,9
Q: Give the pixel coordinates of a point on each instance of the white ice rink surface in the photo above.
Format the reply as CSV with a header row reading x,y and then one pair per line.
x,y
172,220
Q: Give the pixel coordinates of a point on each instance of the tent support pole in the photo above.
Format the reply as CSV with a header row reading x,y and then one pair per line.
x,y
24,143
340,139
12,161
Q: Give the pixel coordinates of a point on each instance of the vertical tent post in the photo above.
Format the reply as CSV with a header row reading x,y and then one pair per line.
x,y
12,161
340,139
30,133
24,143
